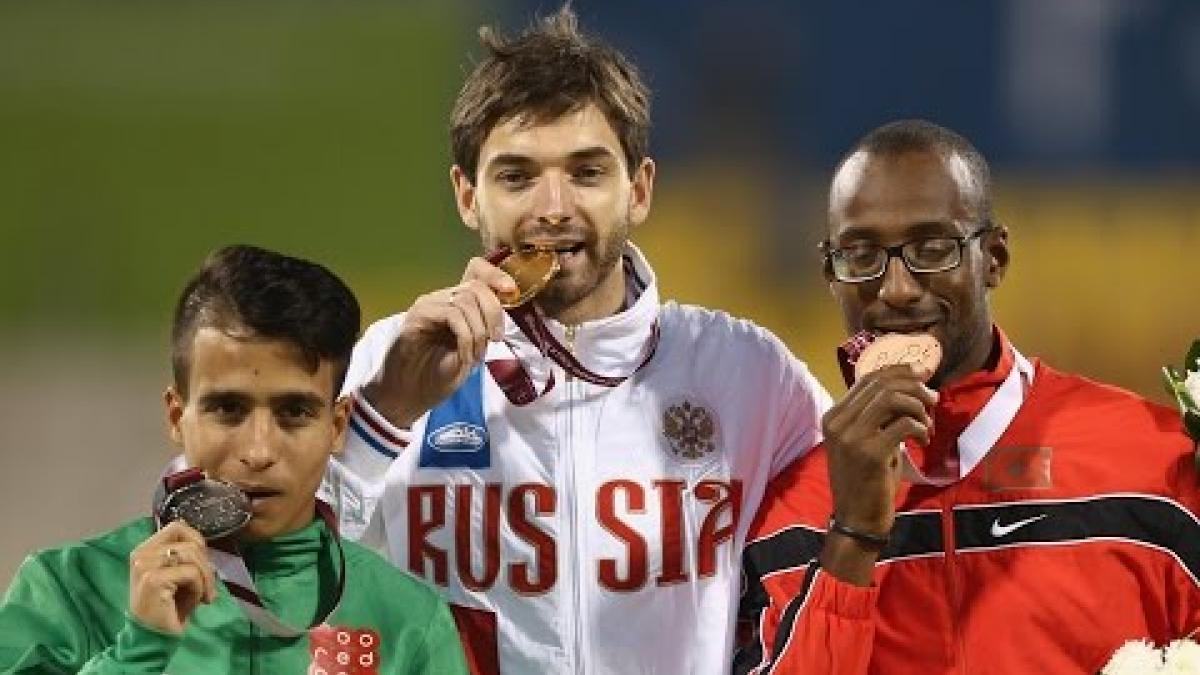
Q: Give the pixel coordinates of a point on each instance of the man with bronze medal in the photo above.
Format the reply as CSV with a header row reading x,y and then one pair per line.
x,y
970,510
572,462
241,569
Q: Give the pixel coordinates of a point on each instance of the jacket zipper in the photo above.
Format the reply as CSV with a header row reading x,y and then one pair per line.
x,y
952,580
571,502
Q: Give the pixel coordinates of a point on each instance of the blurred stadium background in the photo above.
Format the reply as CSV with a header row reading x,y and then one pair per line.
x,y
137,136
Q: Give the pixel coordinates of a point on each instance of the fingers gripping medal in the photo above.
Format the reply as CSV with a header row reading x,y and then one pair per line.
x,y
218,509
214,508
866,352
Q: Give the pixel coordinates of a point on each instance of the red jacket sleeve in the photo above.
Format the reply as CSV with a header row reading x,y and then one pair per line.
x,y
797,618
828,627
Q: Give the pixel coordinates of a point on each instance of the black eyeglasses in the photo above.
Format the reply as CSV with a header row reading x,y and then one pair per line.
x,y
865,261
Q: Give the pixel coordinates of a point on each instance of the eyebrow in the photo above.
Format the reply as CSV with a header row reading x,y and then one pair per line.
x,y
920,228
304,398
514,159
594,152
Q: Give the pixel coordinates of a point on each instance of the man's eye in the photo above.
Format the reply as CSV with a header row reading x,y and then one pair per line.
x,y
935,248
512,178
296,414
589,173
226,411
861,254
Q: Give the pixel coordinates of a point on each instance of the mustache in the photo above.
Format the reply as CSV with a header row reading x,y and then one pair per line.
x,y
892,319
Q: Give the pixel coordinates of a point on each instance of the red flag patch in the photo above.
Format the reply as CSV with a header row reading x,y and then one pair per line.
x,y
337,650
1018,468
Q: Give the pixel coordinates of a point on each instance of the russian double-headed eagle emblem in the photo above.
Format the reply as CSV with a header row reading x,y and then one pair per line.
x,y
691,430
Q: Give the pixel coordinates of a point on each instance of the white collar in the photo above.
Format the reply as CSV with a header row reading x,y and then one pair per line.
x,y
988,425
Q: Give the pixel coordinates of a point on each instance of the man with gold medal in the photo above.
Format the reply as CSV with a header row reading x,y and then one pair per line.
x,y
569,460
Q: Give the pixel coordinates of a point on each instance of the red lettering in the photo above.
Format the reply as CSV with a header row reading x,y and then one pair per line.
x,y
419,527
635,498
545,552
723,496
491,536
670,494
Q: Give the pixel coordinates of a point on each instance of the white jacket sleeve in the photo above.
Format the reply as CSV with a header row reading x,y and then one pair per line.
x,y
355,478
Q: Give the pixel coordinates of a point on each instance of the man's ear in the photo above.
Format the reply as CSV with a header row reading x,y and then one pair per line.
x,y
642,192
996,255
174,404
341,422
464,196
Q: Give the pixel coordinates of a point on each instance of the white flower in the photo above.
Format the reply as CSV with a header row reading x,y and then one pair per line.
x,y
1136,657
1192,384
1183,658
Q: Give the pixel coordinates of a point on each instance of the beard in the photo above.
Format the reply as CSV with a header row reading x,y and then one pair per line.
x,y
571,287
586,271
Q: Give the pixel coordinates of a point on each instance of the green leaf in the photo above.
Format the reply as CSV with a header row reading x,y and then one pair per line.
x,y
1174,385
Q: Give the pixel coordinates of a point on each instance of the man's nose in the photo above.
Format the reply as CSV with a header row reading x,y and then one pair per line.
x,y
259,450
899,286
552,199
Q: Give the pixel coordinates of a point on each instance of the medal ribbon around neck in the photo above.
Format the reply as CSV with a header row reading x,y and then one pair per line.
x,y
223,550
513,378
985,429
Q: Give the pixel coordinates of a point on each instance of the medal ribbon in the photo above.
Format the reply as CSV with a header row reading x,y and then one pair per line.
x,y
980,435
512,376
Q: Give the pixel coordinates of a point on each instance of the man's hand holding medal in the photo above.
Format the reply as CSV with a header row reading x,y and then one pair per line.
x,y
887,404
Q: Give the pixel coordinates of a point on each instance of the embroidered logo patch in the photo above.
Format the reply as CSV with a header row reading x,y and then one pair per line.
x,y
458,437
337,650
691,430
1018,468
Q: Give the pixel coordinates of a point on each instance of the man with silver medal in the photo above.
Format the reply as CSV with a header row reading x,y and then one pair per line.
x,y
241,569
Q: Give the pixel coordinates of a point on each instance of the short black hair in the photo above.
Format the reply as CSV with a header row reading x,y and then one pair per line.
x,y
272,296
916,135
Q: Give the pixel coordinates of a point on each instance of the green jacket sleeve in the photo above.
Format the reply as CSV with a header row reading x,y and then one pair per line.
x,y
441,652
41,631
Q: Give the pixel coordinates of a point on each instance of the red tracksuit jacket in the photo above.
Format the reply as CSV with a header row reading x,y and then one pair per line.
x,y
1076,532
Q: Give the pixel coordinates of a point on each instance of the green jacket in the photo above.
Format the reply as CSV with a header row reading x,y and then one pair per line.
x,y
67,612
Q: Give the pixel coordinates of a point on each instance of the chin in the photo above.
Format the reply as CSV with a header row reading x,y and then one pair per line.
x,y
563,294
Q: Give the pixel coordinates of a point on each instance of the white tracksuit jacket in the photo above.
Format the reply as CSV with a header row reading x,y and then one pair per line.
x,y
595,530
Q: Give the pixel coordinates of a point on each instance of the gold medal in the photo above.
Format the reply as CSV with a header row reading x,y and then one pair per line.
x,y
920,350
532,269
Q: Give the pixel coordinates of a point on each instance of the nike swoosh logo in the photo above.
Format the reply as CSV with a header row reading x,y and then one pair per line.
x,y
999,530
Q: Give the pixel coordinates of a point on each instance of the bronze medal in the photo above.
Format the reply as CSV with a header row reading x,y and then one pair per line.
x,y
532,269
920,350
